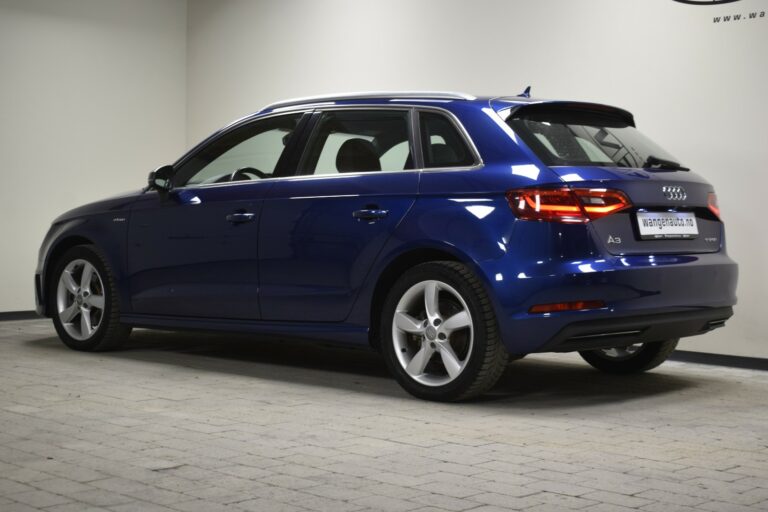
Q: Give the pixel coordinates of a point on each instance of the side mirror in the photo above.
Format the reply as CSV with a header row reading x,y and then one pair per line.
x,y
160,179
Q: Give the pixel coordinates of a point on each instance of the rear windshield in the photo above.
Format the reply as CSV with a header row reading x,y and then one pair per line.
x,y
584,137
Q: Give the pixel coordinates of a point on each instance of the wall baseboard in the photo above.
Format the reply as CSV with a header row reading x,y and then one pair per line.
x,y
685,356
748,363
18,315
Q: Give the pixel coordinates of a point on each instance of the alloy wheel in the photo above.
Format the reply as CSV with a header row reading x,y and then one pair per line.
x,y
80,299
432,332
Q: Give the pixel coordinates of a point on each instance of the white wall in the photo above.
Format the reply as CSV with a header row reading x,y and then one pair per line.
x,y
695,86
92,97
94,93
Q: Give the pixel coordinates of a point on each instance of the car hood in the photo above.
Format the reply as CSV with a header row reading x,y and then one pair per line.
x,y
112,204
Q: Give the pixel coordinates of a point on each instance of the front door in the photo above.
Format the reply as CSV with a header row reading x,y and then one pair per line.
x,y
194,252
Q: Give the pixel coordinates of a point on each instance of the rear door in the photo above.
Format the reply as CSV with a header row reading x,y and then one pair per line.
x,y
321,231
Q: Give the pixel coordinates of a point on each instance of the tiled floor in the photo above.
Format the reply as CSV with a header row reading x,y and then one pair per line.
x,y
207,423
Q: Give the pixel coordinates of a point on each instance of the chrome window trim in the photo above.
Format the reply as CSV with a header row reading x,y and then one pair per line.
x,y
479,164
326,176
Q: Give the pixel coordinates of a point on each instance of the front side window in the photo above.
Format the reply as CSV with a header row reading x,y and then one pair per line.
x,y
442,144
248,153
573,137
354,141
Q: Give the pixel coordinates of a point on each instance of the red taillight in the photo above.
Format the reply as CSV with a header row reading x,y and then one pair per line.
x,y
579,305
576,205
712,204
599,202
556,204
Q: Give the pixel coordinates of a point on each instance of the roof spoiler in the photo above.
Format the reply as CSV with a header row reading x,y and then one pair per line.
x,y
566,109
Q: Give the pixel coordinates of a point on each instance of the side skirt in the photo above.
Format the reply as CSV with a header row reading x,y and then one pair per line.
x,y
343,334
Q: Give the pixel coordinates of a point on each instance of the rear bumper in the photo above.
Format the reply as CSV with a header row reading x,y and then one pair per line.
x,y
648,298
623,331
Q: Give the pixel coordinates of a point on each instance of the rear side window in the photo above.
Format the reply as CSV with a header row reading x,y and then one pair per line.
x,y
353,141
570,136
442,144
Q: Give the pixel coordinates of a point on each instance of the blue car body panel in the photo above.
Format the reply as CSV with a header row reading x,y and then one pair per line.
x,y
104,222
314,255
184,257
303,266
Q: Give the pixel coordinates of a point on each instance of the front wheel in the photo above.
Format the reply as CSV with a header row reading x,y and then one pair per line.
x,y
439,333
631,359
84,301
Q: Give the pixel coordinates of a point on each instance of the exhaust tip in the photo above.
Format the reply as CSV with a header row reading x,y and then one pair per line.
x,y
714,324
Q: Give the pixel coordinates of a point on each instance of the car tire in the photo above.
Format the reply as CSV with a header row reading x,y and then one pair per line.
x,y
440,338
633,359
84,302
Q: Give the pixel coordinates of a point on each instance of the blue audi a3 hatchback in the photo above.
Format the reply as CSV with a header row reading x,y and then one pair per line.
x,y
452,233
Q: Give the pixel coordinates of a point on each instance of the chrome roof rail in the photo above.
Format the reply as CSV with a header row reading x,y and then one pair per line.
x,y
432,95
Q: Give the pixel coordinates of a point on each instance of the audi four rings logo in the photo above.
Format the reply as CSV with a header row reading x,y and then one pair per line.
x,y
674,193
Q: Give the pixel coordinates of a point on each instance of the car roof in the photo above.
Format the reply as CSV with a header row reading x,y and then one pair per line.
x,y
441,99
374,95
444,99
389,97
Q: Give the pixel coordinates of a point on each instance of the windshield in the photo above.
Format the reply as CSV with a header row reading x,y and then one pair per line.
x,y
574,137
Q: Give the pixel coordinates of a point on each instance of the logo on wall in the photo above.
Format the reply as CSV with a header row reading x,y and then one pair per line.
x,y
726,18
705,2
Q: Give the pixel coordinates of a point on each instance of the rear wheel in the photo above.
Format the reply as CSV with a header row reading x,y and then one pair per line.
x,y
439,332
631,359
84,301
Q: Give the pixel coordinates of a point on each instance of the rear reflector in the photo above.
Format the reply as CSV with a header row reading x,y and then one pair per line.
x,y
712,204
576,205
556,307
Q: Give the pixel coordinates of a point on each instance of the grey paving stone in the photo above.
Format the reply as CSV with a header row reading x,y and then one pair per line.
x,y
387,504
61,486
75,507
219,423
39,499
443,502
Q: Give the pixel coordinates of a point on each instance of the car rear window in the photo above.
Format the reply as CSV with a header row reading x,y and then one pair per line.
x,y
572,136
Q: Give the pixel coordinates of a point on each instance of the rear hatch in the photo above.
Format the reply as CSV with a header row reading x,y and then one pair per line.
x,y
589,146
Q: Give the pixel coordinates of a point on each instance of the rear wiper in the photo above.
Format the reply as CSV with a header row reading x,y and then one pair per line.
x,y
654,162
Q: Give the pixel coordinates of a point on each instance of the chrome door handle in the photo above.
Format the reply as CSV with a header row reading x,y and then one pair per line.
x,y
239,217
370,214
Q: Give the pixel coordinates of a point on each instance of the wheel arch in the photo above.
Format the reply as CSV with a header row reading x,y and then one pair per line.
x,y
399,264
56,251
